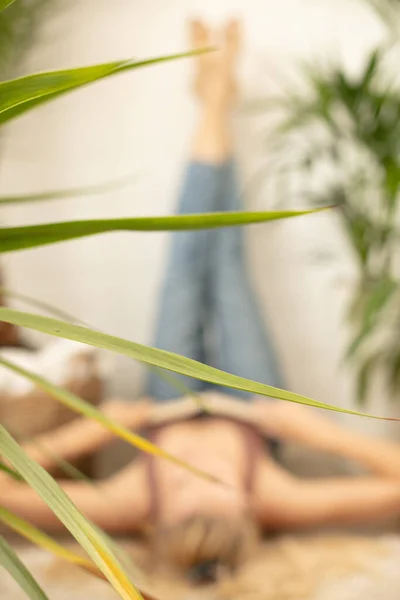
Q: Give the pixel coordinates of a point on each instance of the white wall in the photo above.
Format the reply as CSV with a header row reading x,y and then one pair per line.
x,y
140,123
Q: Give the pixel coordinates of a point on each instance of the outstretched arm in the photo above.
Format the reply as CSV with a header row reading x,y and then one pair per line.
x,y
286,502
126,491
83,436
311,428
117,504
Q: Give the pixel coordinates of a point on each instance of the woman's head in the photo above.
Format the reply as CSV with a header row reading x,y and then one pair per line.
x,y
204,547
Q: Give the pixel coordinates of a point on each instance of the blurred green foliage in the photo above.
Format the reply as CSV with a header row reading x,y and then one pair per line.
x,y
19,25
337,142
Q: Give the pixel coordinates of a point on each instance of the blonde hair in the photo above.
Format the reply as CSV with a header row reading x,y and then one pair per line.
x,y
204,547
285,568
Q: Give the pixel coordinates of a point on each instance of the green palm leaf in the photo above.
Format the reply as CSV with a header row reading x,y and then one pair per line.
x,y
89,190
44,306
84,408
13,474
66,467
20,95
5,3
54,311
19,238
158,358
19,572
44,541
82,530
48,544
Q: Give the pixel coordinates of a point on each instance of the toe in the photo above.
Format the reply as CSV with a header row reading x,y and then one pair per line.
x,y
199,34
233,37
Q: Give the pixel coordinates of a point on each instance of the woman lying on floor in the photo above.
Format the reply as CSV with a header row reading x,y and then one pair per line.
x,y
209,313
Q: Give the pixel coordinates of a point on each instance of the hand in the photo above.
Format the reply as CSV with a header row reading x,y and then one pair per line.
x,y
276,419
227,406
132,415
215,403
175,410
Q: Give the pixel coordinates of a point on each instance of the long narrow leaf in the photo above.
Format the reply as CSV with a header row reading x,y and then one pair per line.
x,y
13,474
89,190
19,95
42,540
81,529
181,387
84,408
19,238
377,301
47,543
160,358
54,311
19,572
66,467
5,3
44,306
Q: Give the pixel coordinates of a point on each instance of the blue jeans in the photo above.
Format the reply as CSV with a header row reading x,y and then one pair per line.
x,y
208,311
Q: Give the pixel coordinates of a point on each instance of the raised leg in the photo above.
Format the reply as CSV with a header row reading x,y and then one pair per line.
x,y
185,295
242,343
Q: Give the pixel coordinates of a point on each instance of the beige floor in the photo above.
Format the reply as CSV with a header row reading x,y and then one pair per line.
x,y
316,567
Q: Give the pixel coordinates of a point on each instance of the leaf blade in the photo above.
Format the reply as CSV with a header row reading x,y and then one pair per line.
x,y
5,3
20,95
82,530
42,540
41,305
378,297
48,544
88,410
12,563
53,195
161,358
65,316
21,238
13,474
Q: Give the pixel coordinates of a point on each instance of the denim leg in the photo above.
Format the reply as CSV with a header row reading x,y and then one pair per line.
x,y
184,296
242,343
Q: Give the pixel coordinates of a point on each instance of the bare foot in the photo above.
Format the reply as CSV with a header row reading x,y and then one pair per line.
x,y
215,80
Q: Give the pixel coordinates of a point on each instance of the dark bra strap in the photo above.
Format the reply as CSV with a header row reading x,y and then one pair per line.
x,y
154,496
253,447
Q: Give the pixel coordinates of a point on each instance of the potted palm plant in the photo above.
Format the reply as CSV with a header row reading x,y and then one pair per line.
x,y
348,127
